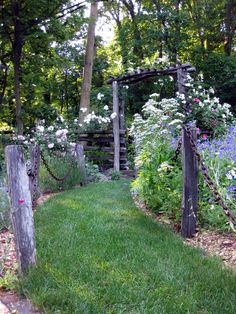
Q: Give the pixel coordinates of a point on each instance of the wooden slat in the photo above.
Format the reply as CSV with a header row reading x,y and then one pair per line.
x,y
107,132
109,158
103,149
138,76
99,139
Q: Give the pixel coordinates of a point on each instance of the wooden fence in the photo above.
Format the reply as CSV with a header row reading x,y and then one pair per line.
x,y
99,146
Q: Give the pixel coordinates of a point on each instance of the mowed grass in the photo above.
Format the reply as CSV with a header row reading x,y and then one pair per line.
x,y
97,253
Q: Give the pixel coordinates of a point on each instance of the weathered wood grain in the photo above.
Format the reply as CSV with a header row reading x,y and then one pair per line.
x,y
190,187
116,126
21,207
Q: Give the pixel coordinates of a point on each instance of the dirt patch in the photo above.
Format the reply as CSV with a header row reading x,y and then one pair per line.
x,y
216,244
12,303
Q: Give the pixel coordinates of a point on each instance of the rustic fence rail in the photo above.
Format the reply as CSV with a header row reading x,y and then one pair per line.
x,y
100,146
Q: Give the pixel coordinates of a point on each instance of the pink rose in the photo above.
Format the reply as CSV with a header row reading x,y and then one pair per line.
x,y
204,136
197,100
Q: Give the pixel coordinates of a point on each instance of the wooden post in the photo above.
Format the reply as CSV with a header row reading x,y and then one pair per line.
x,y
81,162
116,127
34,173
21,207
190,187
181,77
122,113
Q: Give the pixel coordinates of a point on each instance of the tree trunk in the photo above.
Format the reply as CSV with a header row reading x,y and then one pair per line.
x,y
88,67
17,46
230,25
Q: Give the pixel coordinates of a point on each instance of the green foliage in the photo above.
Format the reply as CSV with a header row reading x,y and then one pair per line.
x,y
115,175
60,166
97,253
158,182
219,71
93,174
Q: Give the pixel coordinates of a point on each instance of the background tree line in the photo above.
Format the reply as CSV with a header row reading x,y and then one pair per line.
x,y
43,49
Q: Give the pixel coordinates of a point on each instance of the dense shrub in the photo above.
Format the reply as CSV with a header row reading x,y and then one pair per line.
x,y
159,181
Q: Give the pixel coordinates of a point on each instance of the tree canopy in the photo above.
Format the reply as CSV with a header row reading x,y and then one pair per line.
x,y
43,49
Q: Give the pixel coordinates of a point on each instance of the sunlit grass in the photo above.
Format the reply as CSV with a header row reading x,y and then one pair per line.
x,y
97,253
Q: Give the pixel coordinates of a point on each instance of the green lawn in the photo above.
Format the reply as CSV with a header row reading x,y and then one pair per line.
x,y
97,253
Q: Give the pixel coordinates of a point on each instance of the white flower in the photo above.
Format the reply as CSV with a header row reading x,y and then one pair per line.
x,y
100,96
51,145
155,95
211,90
113,115
175,121
20,137
61,118
50,128
83,109
40,128
106,107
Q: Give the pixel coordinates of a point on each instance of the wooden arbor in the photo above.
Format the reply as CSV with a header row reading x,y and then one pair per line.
x,y
190,182
178,71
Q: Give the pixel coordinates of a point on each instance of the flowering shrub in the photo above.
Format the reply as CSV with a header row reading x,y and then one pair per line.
x,y
159,182
220,158
204,109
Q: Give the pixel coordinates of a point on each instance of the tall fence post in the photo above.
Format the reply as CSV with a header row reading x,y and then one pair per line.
x,y
21,207
116,126
79,149
190,186
34,173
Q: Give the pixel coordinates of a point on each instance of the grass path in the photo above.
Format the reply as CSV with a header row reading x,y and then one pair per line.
x,y
97,253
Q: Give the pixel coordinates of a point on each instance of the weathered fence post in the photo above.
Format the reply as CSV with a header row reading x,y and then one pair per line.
x,y
21,207
34,173
190,186
116,126
181,77
79,149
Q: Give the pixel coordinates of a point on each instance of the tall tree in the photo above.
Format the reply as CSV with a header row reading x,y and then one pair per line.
x,y
88,64
19,19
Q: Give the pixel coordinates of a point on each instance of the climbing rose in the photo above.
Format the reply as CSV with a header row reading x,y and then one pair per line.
x,y
51,145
